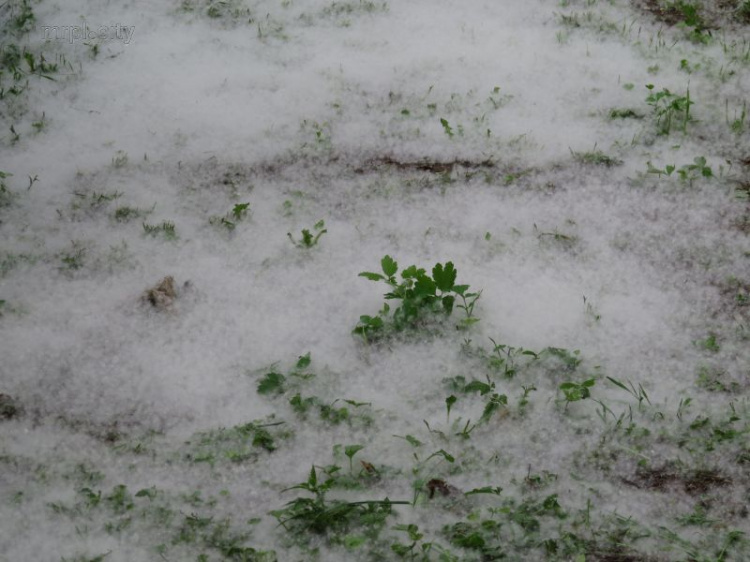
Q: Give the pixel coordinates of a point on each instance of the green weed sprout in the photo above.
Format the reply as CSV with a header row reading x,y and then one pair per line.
x,y
423,298
687,173
319,515
6,195
595,158
309,239
447,128
230,220
575,391
167,228
669,107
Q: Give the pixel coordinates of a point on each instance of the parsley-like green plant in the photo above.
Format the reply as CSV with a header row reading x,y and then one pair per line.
x,y
423,299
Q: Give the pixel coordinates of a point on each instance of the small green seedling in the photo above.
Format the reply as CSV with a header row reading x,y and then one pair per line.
x,y
590,311
575,391
595,158
308,239
494,404
637,393
350,451
709,344
6,195
624,113
667,171
697,169
447,127
668,108
75,258
40,124
449,402
167,228
527,390
126,213
738,124
567,241
230,220
120,159
687,173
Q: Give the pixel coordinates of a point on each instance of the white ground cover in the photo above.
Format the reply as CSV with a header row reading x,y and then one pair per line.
x,y
584,164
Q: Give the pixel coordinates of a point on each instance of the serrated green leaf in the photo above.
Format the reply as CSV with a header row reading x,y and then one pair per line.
x,y
351,450
312,480
271,383
412,272
478,386
460,289
444,276
389,265
425,286
372,322
304,361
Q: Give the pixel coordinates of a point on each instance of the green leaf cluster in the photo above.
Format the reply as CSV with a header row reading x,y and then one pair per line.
x,y
575,391
669,108
319,515
423,298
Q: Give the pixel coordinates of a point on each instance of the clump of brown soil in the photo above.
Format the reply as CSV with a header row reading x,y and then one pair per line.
x,y
663,479
431,166
441,486
707,14
162,295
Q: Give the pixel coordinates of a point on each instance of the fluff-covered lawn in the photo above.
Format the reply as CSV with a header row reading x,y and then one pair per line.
x,y
192,368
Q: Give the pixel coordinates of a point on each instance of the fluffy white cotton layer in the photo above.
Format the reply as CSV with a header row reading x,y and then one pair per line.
x,y
607,232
